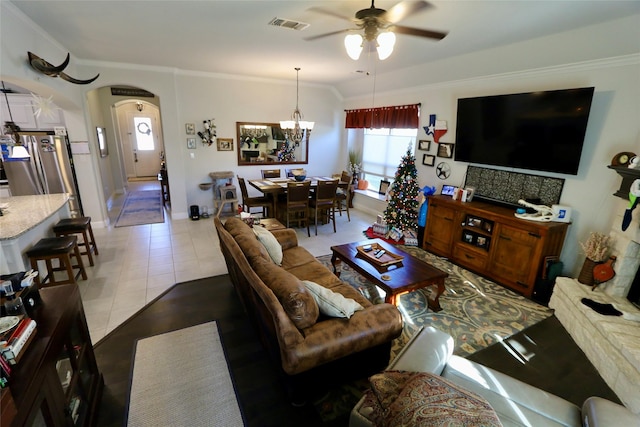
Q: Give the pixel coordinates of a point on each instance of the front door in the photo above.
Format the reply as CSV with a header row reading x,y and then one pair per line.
x,y
146,143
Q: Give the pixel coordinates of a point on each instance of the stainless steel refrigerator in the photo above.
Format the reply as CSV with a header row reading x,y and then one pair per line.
x,y
49,170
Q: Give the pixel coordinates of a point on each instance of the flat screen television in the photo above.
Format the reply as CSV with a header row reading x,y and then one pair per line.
x,y
542,131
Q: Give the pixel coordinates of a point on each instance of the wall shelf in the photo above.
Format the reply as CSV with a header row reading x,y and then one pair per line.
x,y
628,176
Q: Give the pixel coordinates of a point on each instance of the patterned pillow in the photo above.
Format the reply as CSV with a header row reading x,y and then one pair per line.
x,y
270,243
332,303
425,399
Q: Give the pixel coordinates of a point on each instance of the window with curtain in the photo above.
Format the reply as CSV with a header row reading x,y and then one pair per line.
x,y
382,153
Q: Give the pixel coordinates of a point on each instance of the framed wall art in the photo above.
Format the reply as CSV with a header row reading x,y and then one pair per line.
x,y
445,150
191,143
424,145
428,160
190,128
225,144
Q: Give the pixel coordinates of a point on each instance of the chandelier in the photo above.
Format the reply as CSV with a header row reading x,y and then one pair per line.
x,y
296,129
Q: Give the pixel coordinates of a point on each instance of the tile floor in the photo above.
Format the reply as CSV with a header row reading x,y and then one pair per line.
x,y
136,264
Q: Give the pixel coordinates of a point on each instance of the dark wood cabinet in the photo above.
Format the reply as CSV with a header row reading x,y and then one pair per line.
x,y
441,224
491,241
57,381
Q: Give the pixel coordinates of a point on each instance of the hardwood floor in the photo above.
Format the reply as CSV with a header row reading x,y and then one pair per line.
x,y
261,397
559,366
545,356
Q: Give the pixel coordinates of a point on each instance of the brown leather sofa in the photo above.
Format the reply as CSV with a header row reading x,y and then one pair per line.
x,y
311,351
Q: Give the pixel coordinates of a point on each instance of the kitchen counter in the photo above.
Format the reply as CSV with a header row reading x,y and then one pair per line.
x,y
25,220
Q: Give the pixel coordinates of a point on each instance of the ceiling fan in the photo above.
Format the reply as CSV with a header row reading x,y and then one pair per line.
x,y
379,26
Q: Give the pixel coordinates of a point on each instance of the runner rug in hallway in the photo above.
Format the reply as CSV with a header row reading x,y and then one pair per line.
x,y
141,207
181,378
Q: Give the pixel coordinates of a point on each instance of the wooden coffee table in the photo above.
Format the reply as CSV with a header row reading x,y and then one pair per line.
x,y
409,275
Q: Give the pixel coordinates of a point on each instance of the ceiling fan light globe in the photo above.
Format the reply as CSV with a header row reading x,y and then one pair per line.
x,y
386,41
353,44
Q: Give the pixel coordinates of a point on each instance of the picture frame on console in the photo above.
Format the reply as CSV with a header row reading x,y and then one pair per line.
x,y
384,187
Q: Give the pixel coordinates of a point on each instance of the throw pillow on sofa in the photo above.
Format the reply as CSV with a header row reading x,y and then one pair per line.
x,y
270,243
294,297
424,399
332,303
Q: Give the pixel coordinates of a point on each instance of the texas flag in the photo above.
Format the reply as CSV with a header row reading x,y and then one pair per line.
x,y
432,125
440,129
437,128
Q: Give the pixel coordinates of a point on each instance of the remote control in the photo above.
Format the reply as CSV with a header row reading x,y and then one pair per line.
x,y
380,253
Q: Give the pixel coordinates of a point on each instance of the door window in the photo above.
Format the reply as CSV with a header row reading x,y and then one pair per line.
x,y
144,134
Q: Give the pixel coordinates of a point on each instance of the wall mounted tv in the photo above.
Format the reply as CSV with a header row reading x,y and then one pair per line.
x,y
542,131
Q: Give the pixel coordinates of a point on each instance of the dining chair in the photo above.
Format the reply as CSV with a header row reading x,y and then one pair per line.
x,y
254,202
324,200
296,207
343,195
270,173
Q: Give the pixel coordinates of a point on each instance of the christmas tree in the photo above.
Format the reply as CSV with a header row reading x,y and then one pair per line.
x,y
402,209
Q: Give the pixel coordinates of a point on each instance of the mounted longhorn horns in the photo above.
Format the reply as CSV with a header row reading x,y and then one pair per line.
x,y
47,69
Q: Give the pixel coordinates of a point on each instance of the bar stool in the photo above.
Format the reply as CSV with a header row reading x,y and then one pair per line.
x,y
62,249
82,225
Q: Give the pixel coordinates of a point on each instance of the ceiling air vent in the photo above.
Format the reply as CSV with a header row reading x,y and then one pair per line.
x,y
288,23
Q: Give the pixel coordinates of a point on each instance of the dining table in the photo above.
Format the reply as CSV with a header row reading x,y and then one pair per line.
x,y
272,187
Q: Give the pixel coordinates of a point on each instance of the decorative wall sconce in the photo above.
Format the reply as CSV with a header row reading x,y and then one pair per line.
x,y
209,134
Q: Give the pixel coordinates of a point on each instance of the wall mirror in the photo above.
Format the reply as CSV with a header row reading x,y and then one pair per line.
x,y
262,143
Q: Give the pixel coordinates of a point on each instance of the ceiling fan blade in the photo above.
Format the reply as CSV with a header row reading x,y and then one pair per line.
x,y
403,9
329,12
400,29
328,34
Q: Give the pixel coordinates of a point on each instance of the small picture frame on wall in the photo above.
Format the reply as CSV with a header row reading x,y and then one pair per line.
x,y
190,128
384,187
428,160
225,144
445,150
424,145
191,143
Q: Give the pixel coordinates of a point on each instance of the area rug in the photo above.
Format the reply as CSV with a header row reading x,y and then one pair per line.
x,y
181,378
476,312
141,207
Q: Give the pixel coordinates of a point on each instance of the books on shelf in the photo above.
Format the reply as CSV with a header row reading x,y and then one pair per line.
x,y
14,342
